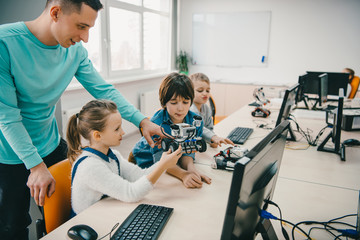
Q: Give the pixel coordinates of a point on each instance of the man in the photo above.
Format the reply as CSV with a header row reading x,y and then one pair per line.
x,y
38,59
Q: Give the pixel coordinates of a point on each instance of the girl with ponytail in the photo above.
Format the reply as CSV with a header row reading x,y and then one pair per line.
x,y
97,169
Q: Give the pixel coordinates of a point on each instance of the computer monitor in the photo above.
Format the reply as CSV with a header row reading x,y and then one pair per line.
x,y
335,134
323,91
300,92
254,179
310,83
316,84
287,106
336,80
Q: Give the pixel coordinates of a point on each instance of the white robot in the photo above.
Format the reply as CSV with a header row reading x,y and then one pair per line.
x,y
184,135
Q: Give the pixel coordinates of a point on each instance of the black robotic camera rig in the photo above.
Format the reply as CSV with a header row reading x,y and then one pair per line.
x,y
184,135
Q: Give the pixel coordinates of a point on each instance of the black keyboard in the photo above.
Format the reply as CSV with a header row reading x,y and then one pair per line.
x,y
240,134
144,222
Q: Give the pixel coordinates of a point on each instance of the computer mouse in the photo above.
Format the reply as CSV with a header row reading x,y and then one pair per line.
x,y
351,142
82,232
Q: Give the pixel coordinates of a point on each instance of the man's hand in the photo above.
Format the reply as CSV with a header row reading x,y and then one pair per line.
x,y
150,129
40,182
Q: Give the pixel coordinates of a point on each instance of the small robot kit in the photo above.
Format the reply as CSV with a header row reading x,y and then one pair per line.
x,y
184,135
226,158
260,112
261,101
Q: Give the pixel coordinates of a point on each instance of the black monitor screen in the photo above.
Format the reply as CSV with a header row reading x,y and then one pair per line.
x,y
300,94
323,92
336,80
288,103
253,181
309,83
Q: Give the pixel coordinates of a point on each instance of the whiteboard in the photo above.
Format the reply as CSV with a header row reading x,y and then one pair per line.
x,y
231,39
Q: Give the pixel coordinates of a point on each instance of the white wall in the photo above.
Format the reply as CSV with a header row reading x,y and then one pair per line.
x,y
318,35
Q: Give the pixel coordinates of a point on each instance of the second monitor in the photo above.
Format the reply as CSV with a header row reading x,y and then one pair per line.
x,y
254,179
319,85
336,80
287,105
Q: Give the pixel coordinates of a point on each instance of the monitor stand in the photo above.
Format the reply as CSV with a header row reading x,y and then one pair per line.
x,y
336,137
292,136
266,230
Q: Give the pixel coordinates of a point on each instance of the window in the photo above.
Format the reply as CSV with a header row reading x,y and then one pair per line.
x,y
131,37
93,45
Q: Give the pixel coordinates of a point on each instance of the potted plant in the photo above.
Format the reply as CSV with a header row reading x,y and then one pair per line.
x,y
182,62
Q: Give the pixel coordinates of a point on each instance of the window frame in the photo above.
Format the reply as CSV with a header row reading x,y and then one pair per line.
x,y
105,45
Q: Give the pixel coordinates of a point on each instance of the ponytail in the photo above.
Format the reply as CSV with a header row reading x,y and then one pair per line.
x,y
73,139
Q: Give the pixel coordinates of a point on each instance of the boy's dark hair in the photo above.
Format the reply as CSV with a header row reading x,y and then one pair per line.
x,y
174,85
75,5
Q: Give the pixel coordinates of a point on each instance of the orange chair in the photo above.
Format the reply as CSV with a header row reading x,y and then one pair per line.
x,y
216,119
354,87
57,208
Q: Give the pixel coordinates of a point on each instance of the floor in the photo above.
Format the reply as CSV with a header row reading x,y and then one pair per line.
x,y
124,148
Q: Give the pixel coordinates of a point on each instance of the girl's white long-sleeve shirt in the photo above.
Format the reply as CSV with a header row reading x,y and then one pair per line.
x,y
98,175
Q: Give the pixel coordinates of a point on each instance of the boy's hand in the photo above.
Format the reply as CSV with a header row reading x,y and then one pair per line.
x,y
217,141
192,180
205,178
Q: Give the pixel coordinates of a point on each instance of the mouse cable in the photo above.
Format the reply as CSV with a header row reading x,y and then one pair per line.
x,y
321,228
263,124
345,216
325,225
328,228
306,134
113,228
309,223
315,142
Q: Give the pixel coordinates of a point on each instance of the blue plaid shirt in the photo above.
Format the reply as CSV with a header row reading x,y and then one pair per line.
x,y
146,156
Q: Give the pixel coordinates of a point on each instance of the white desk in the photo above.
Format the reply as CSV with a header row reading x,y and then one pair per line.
x,y
312,185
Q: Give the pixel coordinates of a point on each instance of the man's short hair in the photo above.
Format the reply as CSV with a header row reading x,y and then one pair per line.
x,y
75,5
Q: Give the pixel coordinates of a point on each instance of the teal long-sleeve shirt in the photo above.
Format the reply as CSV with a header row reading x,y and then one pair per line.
x,y
33,77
